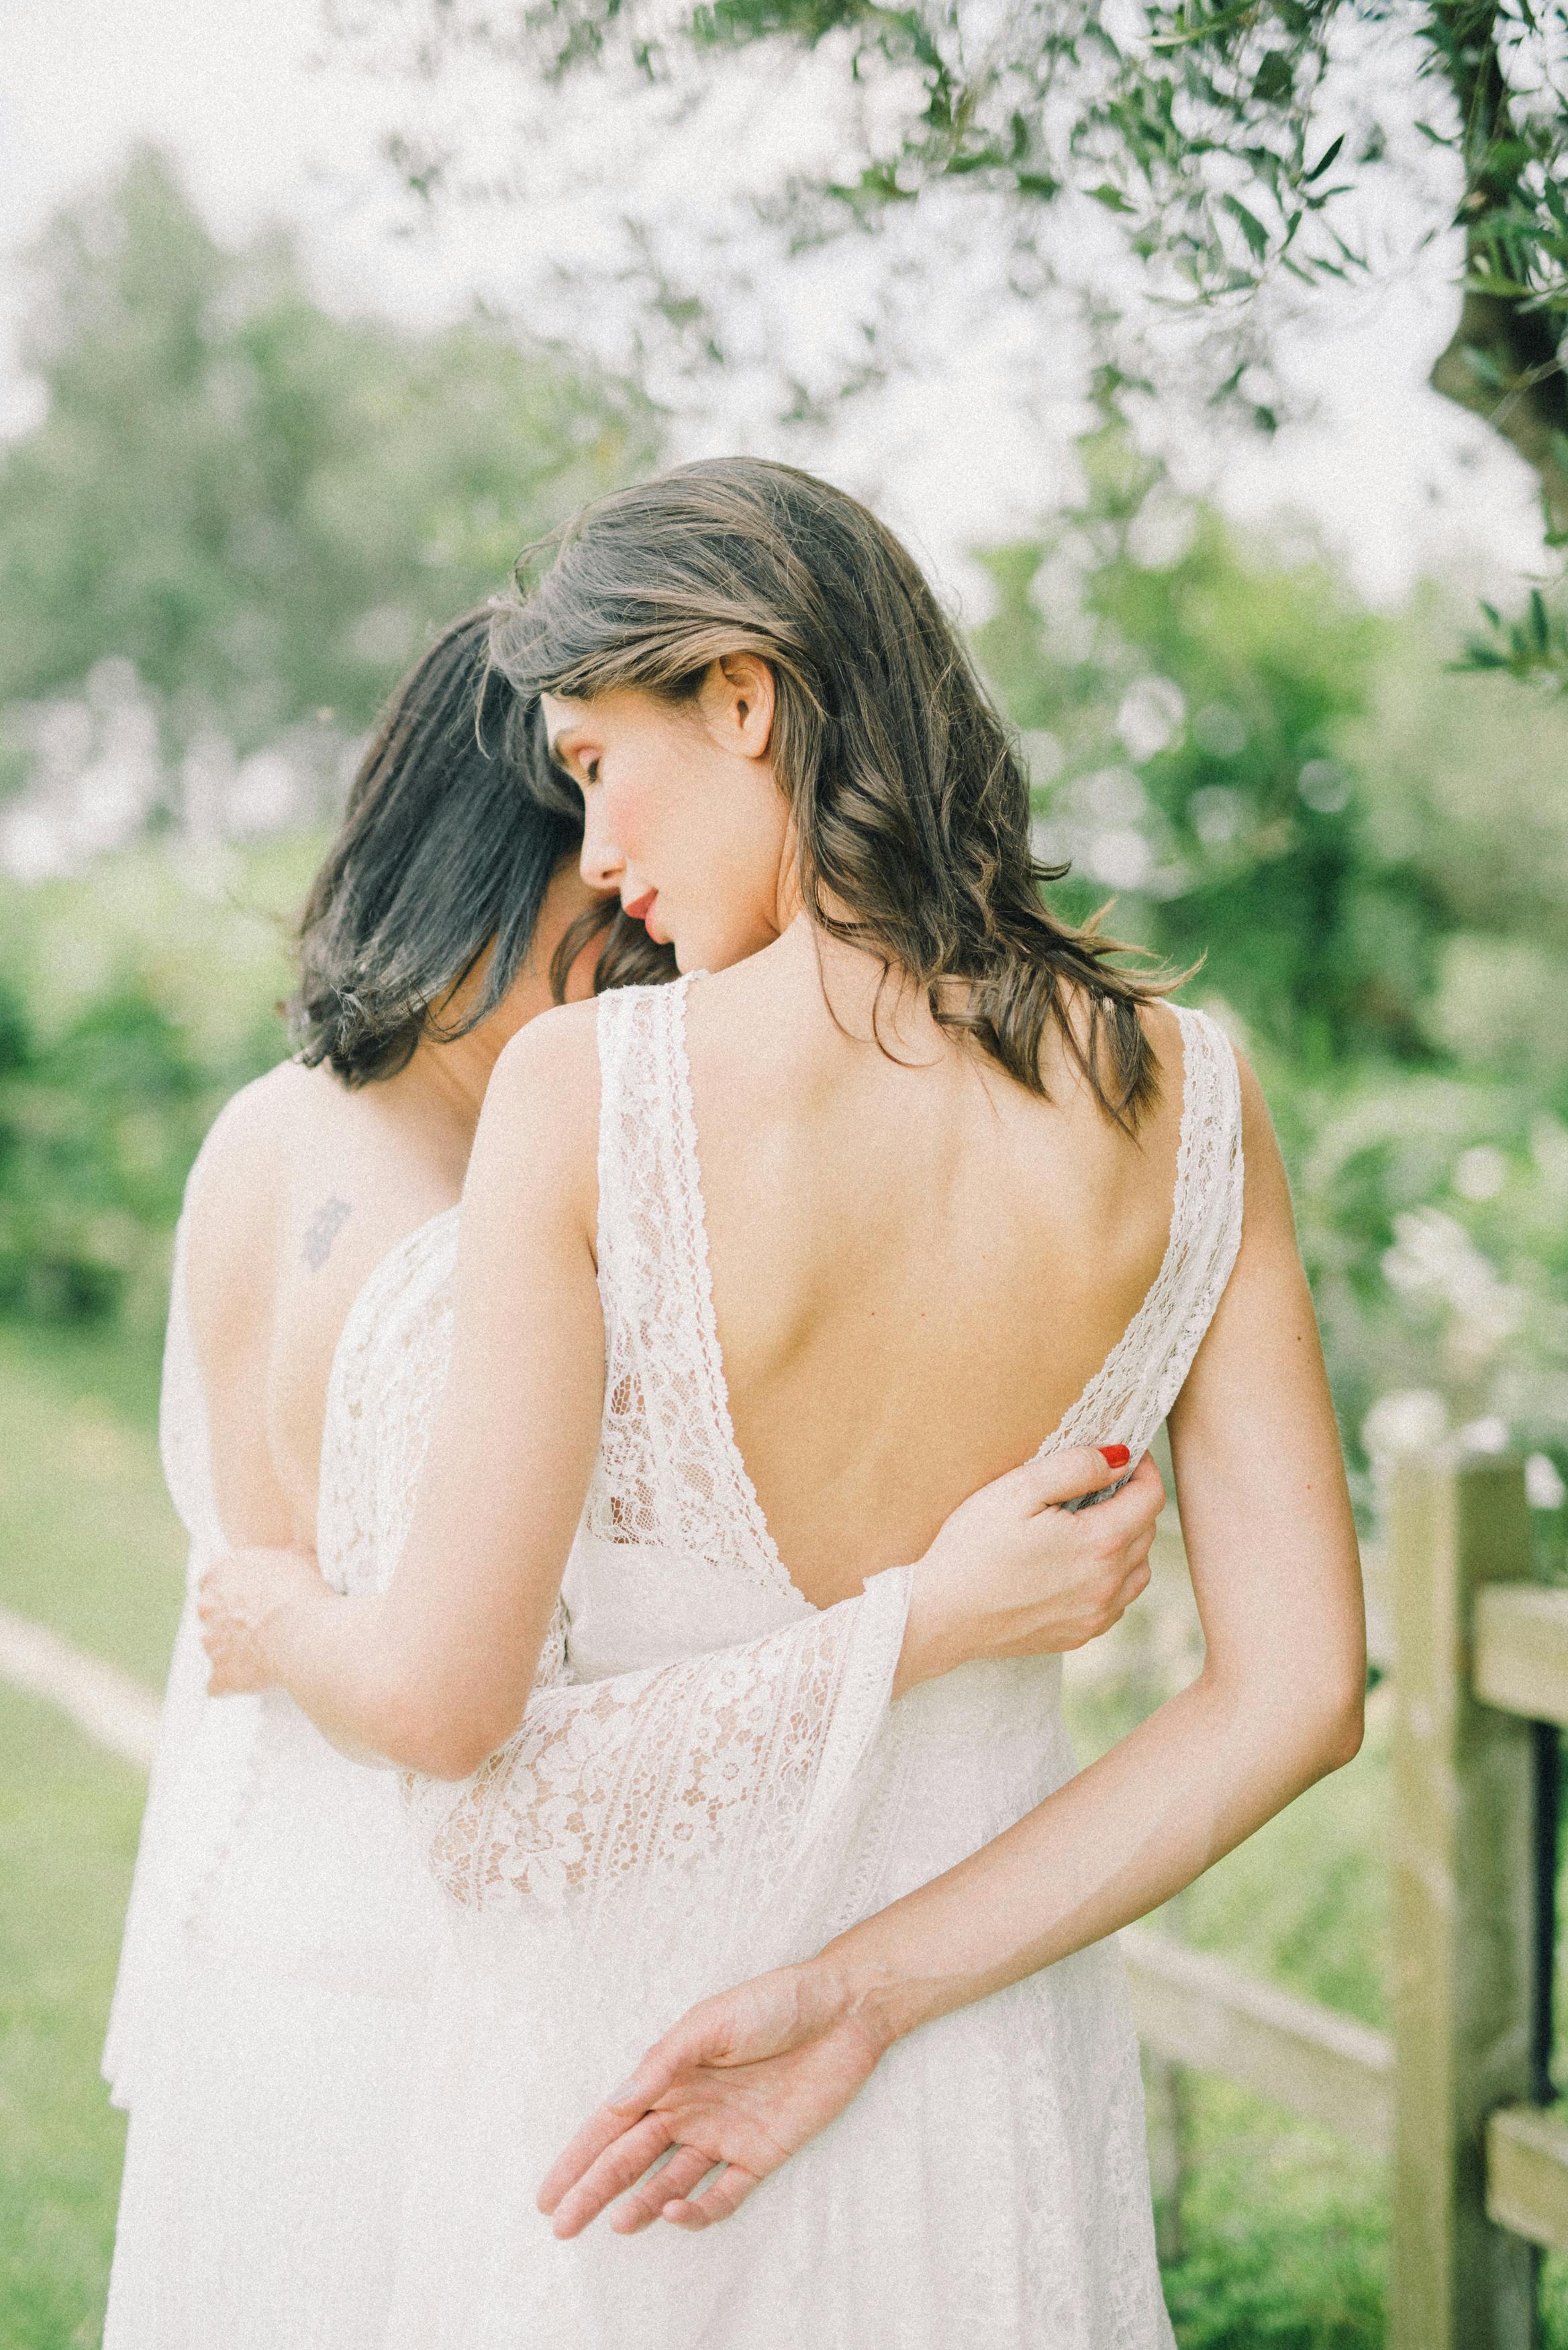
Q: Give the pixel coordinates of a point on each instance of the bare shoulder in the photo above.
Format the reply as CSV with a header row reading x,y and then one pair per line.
x,y
549,1072
1163,1031
254,1137
539,1126
1267,1216
237,1201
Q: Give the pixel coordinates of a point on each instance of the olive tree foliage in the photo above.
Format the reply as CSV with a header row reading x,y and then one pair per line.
x,y
1234,152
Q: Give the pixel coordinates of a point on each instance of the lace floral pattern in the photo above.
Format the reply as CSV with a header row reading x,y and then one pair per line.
x,y
654,1774
1141,1377
667,1472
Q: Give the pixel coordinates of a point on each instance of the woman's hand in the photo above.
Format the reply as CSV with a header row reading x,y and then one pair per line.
x,y
237,1601
741,2082
1015,1573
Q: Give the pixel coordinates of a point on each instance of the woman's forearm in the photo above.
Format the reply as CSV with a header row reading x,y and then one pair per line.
x,y
1272,1548
330,1652
1193,1781
1009,1574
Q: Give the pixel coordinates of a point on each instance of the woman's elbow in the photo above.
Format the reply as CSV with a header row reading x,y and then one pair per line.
x,y
1345,1729
1333,1721
438,1740
1307,1727
442,1754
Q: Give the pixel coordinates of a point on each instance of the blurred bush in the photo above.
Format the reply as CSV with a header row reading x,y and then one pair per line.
x,y
239,517
1369,853
260,506
134,998
234,523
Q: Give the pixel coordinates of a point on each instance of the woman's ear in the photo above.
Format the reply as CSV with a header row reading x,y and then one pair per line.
x,y
738,701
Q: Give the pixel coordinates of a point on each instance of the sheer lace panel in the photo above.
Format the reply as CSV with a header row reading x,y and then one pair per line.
x,y
386,1379
667,1472
1141,1377
612,1785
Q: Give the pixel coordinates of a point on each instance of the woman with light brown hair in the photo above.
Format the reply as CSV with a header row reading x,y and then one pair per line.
x,y
281,1944
904,1181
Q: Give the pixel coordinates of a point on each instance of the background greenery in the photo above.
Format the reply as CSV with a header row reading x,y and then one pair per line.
x,y
234,523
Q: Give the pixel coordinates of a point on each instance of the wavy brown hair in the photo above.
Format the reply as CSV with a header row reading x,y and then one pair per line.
x,y
910,803
443,853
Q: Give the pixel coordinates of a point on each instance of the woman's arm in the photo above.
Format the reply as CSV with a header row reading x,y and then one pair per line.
x,y
746,2078
436,1675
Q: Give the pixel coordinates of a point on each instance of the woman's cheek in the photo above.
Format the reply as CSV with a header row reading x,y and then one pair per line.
x,y
623,819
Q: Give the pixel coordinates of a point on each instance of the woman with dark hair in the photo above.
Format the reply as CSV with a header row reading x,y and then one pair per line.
x,y
270,1948
281,1934
902,1181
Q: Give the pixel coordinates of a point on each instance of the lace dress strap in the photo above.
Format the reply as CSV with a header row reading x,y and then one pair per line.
x,y
183,1441
1142,1375
669,1473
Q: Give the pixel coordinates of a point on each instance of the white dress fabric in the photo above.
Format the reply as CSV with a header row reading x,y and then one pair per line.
x,y
989,2184
277,1945
281,1932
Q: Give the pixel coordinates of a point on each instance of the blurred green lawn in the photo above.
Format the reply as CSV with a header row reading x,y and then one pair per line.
x,y
1283,2239
69,1818
89,1544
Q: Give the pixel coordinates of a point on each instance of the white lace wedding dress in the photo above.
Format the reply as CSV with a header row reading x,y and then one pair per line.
x,y
281,1930
989,2186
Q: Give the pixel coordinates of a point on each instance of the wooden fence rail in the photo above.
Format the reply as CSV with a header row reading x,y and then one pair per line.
x,y
1457,2096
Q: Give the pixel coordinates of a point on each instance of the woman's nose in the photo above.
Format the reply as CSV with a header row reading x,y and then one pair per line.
x,y
601,862
600,869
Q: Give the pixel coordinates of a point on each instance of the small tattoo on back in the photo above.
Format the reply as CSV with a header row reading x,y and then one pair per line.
x,y
323,1230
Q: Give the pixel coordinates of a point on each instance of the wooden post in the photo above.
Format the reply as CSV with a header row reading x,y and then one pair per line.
x,y
1165,2103
1464,1935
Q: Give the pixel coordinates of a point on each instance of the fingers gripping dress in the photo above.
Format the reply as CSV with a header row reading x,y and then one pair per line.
x,y
990,2183
283,1925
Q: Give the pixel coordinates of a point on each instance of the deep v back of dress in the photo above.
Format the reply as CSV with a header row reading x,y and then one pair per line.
x,y
670,1474
675,1553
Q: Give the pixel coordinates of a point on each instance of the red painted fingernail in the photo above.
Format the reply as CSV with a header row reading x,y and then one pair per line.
x,y
1116,1455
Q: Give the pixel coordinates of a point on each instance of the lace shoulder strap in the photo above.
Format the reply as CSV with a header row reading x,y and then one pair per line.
x,y
633,1497
182,1432
668,1473
1141,1377
1206,1224
388,1371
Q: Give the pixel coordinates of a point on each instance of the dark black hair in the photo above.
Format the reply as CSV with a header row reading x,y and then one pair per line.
x,y
441,853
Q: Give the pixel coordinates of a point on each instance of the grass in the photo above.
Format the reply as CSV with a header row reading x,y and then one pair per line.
x,y
68,1820
1283,2234
90,1545
89,1541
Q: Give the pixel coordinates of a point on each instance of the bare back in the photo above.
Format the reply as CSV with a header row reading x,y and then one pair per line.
x,y
304,1187
918,1265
